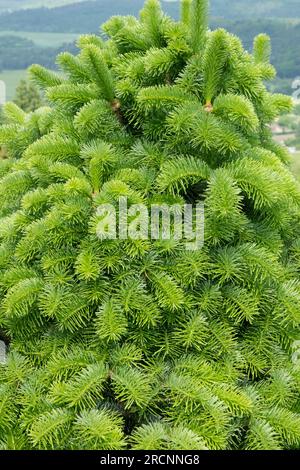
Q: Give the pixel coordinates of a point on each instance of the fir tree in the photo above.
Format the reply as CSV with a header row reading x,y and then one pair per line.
x,y
28,96
136,343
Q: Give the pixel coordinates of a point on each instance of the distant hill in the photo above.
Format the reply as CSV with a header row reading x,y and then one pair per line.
x,y
246,18
19,53
80,17
262,9
86,16
226,8
20,4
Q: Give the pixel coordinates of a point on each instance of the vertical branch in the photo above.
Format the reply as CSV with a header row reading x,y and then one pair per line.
x,y
198,24
186,11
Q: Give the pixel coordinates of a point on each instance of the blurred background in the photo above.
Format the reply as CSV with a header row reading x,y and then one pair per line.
x,y
35,31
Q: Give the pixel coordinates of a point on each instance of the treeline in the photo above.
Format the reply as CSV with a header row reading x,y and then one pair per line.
x,y
10,5
256,8
19,53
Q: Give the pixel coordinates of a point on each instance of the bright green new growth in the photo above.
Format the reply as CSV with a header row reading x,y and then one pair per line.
x,y
185,11
198,22
262,48
136,343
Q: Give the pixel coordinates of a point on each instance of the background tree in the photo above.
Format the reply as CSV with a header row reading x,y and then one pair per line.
x,y
141,343
28,96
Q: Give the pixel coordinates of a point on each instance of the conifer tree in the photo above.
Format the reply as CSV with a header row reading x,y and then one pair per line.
x,y
143,344
27,96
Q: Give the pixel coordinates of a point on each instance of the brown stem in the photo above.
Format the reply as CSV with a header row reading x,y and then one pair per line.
x,y
208,106
116,107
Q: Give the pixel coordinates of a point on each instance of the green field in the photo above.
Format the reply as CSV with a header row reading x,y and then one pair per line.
x,y
43,39
11,78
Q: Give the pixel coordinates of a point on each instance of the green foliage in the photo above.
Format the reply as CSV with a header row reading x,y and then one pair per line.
x,y
186,11
262,48
198,22
142,344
